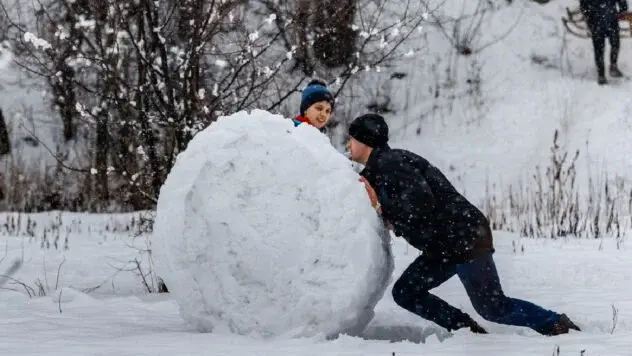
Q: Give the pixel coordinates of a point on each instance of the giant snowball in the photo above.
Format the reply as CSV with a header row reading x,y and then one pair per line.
x,y
263,229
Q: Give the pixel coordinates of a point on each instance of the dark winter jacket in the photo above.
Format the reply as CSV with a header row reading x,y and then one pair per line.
x,y
424,208
602,11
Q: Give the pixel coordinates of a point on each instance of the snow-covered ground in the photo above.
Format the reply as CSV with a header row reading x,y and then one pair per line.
x,y
90,299
584,279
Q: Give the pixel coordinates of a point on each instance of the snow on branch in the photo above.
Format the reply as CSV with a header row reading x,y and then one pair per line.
x,y
141,78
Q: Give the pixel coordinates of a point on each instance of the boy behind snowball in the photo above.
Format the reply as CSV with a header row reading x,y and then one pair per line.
x,y
317,104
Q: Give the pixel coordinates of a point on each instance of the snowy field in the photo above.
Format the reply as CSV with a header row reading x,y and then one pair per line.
x,y
79,291
584,279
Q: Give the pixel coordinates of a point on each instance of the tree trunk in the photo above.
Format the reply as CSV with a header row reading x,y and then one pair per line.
x,y
5,144
64,91
335,42
104,115
70,102
5,148
101,160
147,135
303,25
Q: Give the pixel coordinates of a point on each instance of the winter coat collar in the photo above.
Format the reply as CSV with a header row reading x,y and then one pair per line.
x,y
371,166
300,119
303,119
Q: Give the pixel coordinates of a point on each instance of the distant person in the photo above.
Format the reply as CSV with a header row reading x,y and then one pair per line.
x,y
602,20
317,104
419,204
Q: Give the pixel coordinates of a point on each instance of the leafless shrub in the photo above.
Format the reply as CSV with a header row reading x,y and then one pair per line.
x,y
550,203
135,81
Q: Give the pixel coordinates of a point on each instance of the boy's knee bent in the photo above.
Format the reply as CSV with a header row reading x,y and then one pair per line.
x,y
494,309
400,293
404,293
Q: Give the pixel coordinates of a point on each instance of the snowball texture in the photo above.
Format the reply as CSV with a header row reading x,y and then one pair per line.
x,y
264,229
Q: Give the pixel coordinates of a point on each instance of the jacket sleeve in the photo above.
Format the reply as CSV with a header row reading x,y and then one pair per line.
x,y
583,6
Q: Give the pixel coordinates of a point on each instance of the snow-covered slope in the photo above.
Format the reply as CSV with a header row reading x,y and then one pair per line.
x,y
534,79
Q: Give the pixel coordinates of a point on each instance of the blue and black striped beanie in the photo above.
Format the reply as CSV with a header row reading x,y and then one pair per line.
x,y
315,91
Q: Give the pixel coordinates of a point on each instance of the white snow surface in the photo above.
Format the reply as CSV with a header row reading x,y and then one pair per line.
x,y
264,229
91,300
98,305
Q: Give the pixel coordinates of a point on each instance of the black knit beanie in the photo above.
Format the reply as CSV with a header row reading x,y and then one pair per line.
x,y
370,129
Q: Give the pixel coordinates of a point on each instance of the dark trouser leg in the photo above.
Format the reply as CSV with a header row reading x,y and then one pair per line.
x,y
615,42
411,293
599,43
482,284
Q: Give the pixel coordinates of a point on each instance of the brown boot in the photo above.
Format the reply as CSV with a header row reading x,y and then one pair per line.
x,y
562,326
477,329
615,72
473,325
601,80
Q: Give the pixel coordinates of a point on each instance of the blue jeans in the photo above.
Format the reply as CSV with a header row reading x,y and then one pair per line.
x,y
481,282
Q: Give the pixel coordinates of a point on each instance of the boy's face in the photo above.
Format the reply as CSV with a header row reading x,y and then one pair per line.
x,y
358,151
318,113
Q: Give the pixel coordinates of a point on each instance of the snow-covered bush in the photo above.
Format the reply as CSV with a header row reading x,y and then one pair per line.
x,y
264,229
